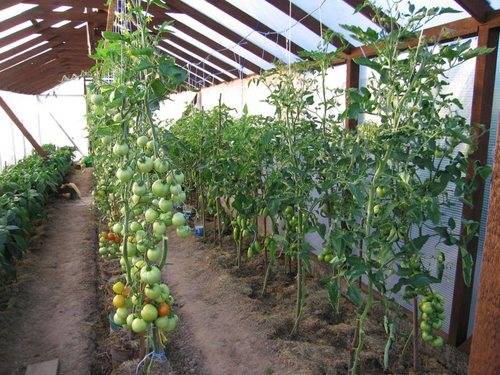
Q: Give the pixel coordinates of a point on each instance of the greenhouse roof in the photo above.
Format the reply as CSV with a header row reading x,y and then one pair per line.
x,y
215,40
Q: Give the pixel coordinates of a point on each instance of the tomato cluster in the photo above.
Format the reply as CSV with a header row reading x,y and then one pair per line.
x,y
431,318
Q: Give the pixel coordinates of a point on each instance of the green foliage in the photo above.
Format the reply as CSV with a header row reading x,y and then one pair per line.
x,y
24,189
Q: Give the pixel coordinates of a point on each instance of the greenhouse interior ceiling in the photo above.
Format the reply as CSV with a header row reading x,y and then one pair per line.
x,y
250,186
42,41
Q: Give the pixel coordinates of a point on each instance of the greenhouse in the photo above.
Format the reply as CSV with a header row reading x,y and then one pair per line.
x,y
249,187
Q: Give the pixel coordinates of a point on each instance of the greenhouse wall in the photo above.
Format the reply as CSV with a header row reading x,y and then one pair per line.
x,y
66,103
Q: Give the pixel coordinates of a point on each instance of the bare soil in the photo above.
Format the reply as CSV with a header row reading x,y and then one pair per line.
x,y
51,310
235,330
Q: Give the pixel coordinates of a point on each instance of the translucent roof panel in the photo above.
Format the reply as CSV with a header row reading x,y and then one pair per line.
x,y
198,57
219,38
173,54
241,29
279,21
15,29
335,13
495,4
18,42
24,51
14,10
387,5
209,50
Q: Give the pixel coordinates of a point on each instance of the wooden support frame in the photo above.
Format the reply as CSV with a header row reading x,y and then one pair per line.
x,y
483,359
351,82
479,9
21,127
482,102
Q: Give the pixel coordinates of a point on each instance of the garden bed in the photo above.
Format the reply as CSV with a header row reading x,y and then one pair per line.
x,y
202,270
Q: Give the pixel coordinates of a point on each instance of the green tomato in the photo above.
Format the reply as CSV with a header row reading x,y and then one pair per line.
x,y
427,308
380,191
376,209
154,255
139,325
165,205
152,292
166,323
427,336
160,166
135,226
142,141
175,189
130,319
179,178
178,219
149,313
183,231
145,165
438,342
159,228
139,190
118,319
106,140
97,99
170,179
150,215
120,149
124,174
177,199
425,327
122,312
117,228
140,235
150,275
159,188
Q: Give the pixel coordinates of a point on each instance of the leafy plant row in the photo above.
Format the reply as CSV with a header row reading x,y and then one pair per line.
x,y
375,194
24,190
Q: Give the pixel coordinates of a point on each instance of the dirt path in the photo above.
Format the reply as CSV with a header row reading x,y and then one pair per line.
x,y
52,307
215,318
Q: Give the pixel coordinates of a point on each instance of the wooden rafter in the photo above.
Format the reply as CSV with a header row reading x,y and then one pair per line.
x,y
181,7
210,43
478,9
255,24
198,51
307,20
482,102
193,60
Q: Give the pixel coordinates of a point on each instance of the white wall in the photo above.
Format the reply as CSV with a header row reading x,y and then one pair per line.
x,y
67,105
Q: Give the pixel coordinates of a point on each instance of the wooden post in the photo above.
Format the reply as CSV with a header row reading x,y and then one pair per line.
x,y
111,15
21,127
484,355
351,82
482,101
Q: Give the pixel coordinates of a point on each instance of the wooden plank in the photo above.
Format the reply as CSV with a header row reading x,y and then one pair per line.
x,y
485,348
255,24
352,82
478,9
307,20
179,6
21,127
482,102
43,368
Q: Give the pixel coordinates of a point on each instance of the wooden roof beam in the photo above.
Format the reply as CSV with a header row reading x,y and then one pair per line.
x,y
478,9
206,41
193,60
255,24
307,20
198,51
369,12
181,7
